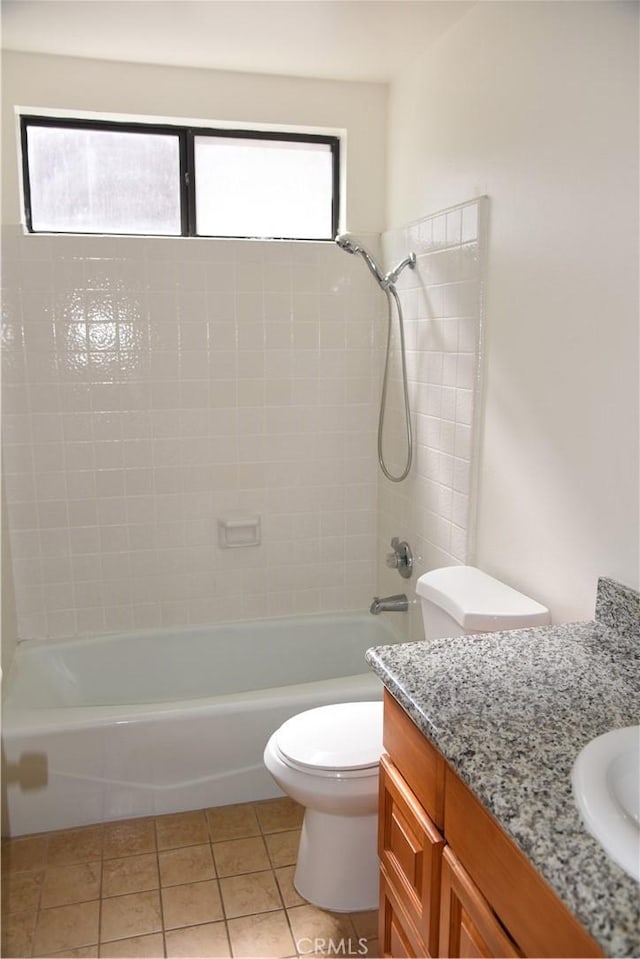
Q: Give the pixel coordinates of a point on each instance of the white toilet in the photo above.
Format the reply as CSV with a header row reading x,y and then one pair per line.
x,y
327,758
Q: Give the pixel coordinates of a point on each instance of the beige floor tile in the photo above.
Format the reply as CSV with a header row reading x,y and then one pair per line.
x,y
131,874
240,855
17,935
232,822
250,893
290,895
66,927
276,815
129,837
124,917
140,947
188,864
64,885
366,923
190,904
75,845
166,867
266,935
206,941
373,949
24,854
21,891
313,928
283,847
182,829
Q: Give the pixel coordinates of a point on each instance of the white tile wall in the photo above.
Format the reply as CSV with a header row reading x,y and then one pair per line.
x,y
443,303
151,386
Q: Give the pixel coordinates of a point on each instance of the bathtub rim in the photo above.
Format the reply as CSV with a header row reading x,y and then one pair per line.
x,y
33,720
380,622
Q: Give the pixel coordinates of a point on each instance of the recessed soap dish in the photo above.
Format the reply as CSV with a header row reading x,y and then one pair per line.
x,y
235,532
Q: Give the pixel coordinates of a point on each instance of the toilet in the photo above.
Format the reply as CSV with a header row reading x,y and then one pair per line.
x,y
327,758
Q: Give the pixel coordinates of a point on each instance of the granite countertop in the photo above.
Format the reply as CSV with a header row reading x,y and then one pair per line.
x,y
510,711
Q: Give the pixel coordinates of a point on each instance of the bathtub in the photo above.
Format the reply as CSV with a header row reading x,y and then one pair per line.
x,y
119,726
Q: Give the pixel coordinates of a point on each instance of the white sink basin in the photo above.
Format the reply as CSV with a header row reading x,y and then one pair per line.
x,y
606,787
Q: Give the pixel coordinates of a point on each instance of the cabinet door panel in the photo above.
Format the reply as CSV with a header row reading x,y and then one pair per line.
x,y
398,936
410,849
468,927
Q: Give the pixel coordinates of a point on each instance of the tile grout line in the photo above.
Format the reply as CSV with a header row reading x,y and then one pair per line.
x,y
102,860
40,892
219,887
163,930
280,894
285,907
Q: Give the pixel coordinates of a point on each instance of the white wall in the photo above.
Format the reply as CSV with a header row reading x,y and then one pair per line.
x,y
68,83
536,105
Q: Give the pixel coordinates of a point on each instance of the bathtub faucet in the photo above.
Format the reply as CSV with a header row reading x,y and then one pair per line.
x,y
389,604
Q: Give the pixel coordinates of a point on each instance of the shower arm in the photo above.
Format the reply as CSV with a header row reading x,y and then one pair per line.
x,y
391,277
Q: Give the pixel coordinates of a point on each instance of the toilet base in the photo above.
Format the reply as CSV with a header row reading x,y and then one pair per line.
x,y
338,862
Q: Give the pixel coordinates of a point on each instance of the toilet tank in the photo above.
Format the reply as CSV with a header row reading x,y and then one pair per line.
x,y
462,599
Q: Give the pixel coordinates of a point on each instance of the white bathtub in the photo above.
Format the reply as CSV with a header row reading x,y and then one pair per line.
x,y
148,723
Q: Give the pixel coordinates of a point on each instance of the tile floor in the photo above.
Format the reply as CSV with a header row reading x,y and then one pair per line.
x,y
215,882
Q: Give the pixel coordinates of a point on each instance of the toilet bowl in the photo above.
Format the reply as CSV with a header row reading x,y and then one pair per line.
x,y
327,759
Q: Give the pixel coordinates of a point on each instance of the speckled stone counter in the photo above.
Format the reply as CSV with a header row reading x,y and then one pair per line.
x,y
510,711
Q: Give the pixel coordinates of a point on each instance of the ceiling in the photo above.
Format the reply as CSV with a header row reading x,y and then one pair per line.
x,y
367,40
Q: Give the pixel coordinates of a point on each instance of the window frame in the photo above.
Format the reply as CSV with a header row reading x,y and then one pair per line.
x,y
185,135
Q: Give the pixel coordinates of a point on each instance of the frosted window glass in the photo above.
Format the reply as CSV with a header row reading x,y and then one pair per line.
x,y
103,181
263,188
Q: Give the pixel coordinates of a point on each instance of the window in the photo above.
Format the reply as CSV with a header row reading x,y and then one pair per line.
x,y
118,178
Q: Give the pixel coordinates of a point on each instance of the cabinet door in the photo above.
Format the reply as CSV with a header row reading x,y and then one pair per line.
x,y
398,936
469,929
410,850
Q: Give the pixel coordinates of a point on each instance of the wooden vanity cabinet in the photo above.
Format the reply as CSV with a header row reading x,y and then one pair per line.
x,y
452,883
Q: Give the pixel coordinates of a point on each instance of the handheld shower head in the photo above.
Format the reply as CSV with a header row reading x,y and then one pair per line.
x,y
348,243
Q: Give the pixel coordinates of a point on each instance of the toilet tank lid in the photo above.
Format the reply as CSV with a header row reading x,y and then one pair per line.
x,y
478,602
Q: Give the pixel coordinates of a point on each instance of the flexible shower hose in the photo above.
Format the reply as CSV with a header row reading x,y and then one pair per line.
x,y
390,291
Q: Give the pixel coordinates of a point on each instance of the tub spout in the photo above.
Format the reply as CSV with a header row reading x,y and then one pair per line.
x,y
389,604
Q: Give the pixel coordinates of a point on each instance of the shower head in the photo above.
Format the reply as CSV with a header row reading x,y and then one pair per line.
x,y
349,243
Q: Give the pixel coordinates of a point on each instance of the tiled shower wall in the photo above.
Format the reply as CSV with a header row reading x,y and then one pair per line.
x,y
442,302
152,386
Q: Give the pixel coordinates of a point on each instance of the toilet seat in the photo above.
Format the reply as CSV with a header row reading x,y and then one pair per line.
x,y
341,740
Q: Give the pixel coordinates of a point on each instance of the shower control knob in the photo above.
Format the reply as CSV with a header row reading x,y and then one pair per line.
x,y
401,558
